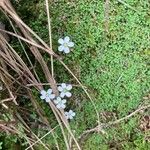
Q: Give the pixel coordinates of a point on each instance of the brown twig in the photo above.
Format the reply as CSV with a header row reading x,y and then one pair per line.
x,y
106,125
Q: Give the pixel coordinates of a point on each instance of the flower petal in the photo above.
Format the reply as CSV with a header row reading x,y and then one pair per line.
x,y
70,44
70,117
59,99
64,101
58,106
68,94
61,48
62,94
60,88
70,112
56,101
49,91
66,39
42,97
61,41
52,96
43,92
47,99
73,114
63,85
66,50
66,113
63,106
69,87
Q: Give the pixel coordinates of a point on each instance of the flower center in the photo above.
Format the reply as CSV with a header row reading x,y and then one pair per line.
x,y
65,45
47,94
65,90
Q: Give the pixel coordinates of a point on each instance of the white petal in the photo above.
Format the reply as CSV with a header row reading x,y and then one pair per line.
x,y
69,87
52,96
64,101
42,97
47,99
63,106
58,106
60,88
73,114
63,85
62,94
61,48
61,41
70,117
70,112
66,50
59,99
66,39
66,113
70,44
68,94
56,101
49,91
43,92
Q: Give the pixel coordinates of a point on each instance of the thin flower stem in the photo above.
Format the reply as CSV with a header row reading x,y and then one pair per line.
x,y
50,35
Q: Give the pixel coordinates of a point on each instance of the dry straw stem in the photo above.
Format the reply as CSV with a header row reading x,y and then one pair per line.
x,y
41,138
37,107
50,35
26,128
7,129
6,100
12,97
28,58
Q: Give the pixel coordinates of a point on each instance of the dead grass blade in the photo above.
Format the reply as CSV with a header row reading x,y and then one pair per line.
x,y
50,35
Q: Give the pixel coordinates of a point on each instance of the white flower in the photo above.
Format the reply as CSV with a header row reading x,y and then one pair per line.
x,y
66,44
47,95
70,114
60,103
64,89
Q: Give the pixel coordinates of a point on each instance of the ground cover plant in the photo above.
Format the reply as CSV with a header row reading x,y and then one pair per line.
x,y
110,55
